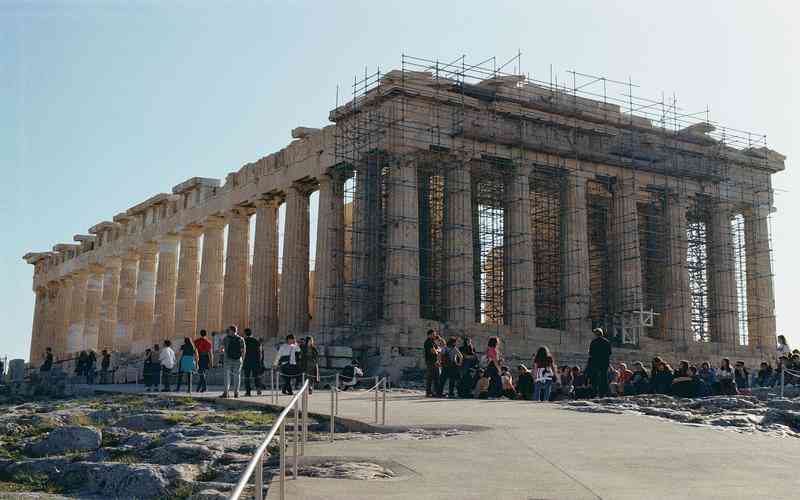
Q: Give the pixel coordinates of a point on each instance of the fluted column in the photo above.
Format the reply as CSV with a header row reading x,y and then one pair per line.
x,y
293,303
459,287
402,288
188,276
518,275
760,287
625,256
37,329
237,270
575,256
94,292
677,319
61,343
166,285
77,310
109,303
329,268
145,297
209,303
264,281
722,297
51,321
126,302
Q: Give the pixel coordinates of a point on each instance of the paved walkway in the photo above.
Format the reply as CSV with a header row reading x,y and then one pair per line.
x,y
540,451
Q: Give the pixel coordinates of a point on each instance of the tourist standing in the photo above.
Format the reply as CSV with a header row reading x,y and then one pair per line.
x,y
287,361
783,348
47,365
450,359
431,350
187,364
310,361
469,367
493,367
167,360
91,367
105,367
544,374
253,360
599,358
235,351
205,359
147,369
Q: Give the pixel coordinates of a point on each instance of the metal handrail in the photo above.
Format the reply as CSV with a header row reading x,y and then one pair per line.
x,y
256,463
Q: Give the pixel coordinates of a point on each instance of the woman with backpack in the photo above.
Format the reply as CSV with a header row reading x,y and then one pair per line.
x,y
493,367
451,360
544,374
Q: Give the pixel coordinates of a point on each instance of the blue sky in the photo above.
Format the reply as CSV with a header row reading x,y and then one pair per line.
x,y
105,103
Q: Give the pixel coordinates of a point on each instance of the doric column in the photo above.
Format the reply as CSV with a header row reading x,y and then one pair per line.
x,y
760,291
61,344
94,293
37,329
722,297
402,283
575,256
677,319
367,266
51,327
109,303
126,302
209,302
188,276
77,310
329,268
518,274
264,279
145,298
625,257
237,270
166,285
293,304
459,287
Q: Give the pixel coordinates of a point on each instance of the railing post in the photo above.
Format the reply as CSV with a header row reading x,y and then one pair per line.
x,y
272,385
377,386
333,391
783,378
260,478
305,423
283,459
296,435
336,392
383,414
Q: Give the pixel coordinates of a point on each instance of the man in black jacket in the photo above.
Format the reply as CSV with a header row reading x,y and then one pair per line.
x,y
253,361
599,358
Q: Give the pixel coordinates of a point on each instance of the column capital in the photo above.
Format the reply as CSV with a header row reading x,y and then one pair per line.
x,y
304,188
217,221
269,202
168,238
112,262
240,213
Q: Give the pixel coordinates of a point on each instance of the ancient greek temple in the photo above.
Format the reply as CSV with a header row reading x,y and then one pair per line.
x,y
451,196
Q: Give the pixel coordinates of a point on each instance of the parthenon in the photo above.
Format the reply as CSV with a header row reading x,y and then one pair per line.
x,y
453,196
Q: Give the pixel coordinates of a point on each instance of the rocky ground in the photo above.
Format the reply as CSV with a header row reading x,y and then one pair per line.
x,y
148,446
776,416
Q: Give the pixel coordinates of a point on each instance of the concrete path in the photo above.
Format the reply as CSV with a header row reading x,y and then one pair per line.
x,y
541,451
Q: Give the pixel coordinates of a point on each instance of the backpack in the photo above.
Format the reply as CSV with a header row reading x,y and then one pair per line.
x,y
233,347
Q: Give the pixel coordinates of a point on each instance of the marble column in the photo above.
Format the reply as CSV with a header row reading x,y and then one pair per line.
x,y
142,337
236,294
625,256
367,266
402,283
209,303
760,287
61,344
37,329
94,293
518,276
459,287
77,310
188,276
677,319
109,303
575,256
329,268
264,280
53,296
293,303
722,296
166,286
126,302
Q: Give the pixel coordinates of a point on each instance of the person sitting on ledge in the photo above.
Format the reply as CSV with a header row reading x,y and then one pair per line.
x,y
507,382
525,383
482,387
726,379
639,383
583,389
765,378
350,375
662,376
683,384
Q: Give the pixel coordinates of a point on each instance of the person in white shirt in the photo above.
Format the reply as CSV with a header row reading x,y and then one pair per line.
x,y
783,347
167,359
287,360
350,375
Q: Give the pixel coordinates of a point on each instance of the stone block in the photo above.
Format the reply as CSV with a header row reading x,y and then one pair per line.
x,y
338,363
337,351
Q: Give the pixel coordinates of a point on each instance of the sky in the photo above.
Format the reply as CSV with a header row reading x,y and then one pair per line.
x,y
105,103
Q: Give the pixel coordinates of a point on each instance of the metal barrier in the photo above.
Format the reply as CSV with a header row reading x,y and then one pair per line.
x,y
256,463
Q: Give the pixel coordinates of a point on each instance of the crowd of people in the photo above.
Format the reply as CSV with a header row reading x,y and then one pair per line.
x,y
453,370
